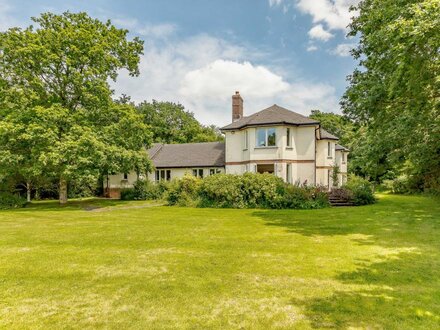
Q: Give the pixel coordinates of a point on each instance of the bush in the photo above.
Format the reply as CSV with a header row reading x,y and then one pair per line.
x,y
11,201
249,190
144,190
184,191
361,189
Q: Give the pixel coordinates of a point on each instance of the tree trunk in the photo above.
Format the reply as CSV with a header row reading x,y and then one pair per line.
x,y
63,191
28,191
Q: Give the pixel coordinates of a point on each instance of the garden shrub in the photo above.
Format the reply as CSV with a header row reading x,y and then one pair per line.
x,y
11,201
184,191
145,190
249,190
361,189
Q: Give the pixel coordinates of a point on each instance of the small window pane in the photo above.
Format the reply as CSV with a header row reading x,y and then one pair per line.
x,y
261,137
195,172
162,174
201,172
288,137
157,175
271,137
168,175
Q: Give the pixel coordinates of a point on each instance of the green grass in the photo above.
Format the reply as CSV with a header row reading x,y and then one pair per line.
x,y
375,267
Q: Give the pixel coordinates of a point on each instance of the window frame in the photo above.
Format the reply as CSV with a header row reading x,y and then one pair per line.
x,y
246,140
288,138
289,173
329,150
266,137
214,170
163,175
196,172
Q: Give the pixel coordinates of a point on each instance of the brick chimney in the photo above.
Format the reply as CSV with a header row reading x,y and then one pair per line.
x,y
237,107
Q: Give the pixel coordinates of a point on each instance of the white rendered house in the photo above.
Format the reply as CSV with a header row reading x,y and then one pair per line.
x,y
274,140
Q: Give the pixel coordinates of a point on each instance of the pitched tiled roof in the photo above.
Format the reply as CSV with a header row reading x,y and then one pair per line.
x,y
338,147
188,155
327,136
272,115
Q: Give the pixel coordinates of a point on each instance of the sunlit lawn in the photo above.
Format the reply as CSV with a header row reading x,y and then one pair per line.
x,y
129,266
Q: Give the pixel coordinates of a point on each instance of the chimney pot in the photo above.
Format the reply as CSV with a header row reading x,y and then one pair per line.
x,y
237,107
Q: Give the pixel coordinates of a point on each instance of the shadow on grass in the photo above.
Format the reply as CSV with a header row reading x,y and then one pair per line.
x,y
401,291
74,204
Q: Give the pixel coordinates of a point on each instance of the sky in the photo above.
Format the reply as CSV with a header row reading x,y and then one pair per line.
x,y
293,53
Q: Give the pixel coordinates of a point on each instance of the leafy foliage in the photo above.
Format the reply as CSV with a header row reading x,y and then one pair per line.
x,y
171,123
250,190
55,100
11,201
361,190
394,94
145,190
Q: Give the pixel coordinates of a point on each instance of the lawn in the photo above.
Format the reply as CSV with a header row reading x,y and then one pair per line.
x,y
107,264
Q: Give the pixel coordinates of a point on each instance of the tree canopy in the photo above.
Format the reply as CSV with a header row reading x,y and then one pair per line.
x,y
58,117
394,92
171,123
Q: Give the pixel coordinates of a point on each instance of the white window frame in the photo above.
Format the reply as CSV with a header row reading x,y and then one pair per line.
x,y
245,140
289,173
163,175
288,138
329,150
213,171
266,140
196,172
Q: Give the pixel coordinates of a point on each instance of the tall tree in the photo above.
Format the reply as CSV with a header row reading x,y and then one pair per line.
x,y
336,124
394,93
61,70
171,123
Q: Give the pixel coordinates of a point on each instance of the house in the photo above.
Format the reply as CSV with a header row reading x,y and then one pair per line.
x,y
274,140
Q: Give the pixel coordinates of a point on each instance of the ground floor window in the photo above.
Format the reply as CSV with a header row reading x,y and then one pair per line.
x,y
198,172
163,175
265,168
289,173
213,171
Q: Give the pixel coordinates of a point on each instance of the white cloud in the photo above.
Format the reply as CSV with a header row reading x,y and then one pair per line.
x,y
334,13
220,77
162,30
274,3
343,50
312,48
318,32
202,73
6,19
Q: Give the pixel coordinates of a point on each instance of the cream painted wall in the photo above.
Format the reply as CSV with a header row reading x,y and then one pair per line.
x,y
322,157
117,180
302,148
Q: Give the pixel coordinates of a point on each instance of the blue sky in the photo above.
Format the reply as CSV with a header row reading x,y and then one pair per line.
x,y
290,52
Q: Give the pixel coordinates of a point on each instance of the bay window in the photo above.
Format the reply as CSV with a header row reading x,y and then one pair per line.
x,y
266,137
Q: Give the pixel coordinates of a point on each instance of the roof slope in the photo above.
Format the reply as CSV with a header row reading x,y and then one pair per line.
x,y
188,155
272,115
338,147
327,136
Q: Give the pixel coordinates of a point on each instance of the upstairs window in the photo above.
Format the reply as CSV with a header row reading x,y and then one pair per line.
x,y
245,140
288,137
343,157
329,149
266,137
